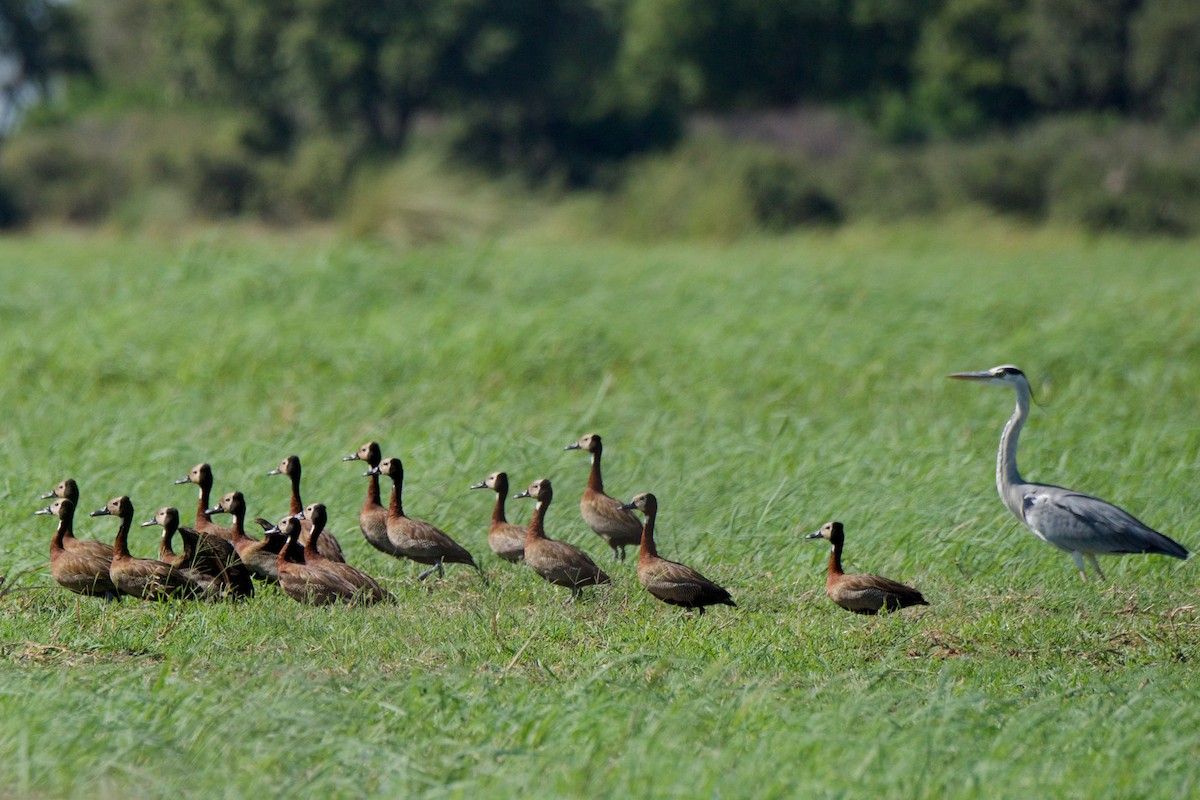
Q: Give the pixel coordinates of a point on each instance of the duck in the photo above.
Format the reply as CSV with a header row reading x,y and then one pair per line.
x,y
560,563
669,581
259,555
603,514
202,476
205,555
416,539
372,519
68,489
299,580
366,589
80,565
506,539
862,594
330,548
146,578
1076,523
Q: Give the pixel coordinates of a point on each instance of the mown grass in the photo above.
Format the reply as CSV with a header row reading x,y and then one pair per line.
x,y
758,389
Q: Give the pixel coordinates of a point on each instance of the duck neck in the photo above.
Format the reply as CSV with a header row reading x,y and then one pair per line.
x,y
310,547
498,517
202,506
1008,478
165,551
835,561
396,505
595,482
374,499
239,525
537,524
648,550
64,530
297,506
121,544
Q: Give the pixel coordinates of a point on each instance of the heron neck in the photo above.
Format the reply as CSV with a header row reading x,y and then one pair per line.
x,y
1007,476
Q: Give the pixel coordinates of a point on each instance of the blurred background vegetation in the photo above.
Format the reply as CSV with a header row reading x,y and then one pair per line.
x,y
649,118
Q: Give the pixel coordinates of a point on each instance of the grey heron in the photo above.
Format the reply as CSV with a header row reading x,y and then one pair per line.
x,y
1080,524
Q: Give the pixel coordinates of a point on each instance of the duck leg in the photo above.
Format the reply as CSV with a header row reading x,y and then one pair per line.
x,y
437,567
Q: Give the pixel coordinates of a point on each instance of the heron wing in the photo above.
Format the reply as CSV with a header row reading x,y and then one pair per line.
x,y
1079,522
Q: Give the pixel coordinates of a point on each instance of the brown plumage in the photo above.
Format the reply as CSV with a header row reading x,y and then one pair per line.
x,y
205,556
330,548
147,578
416,539
80,565
862,594
67,488
670,581
505,539
558,562
301,581
372,519
366,589
202,476
604,514
259,555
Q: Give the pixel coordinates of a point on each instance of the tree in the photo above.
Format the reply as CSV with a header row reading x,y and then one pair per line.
x,y
39,41
1165,59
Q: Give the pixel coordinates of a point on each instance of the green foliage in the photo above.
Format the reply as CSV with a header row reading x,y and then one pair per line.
x,y
757,389
1165,59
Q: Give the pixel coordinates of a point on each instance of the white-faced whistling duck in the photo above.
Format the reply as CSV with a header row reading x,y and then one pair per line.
x,y
558,562
416,539
290,467
259,555
81,565
372,519
506,540
604,514
669,581
366,589
205,556
312,583
202,476
147,578
862,594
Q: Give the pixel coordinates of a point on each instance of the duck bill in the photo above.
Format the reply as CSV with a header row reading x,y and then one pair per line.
x,y
814,535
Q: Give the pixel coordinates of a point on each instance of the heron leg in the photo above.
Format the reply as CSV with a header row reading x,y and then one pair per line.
x,y
1091,559
1078,558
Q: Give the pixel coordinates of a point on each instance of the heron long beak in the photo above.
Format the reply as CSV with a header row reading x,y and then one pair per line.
x,y
971,376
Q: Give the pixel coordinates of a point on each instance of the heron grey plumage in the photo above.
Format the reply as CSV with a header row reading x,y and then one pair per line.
x,y
1082,525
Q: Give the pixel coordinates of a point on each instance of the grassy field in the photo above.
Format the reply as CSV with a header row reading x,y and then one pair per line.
x,y
758,389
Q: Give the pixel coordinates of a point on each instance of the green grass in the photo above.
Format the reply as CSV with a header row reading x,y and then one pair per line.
x,y
758,389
